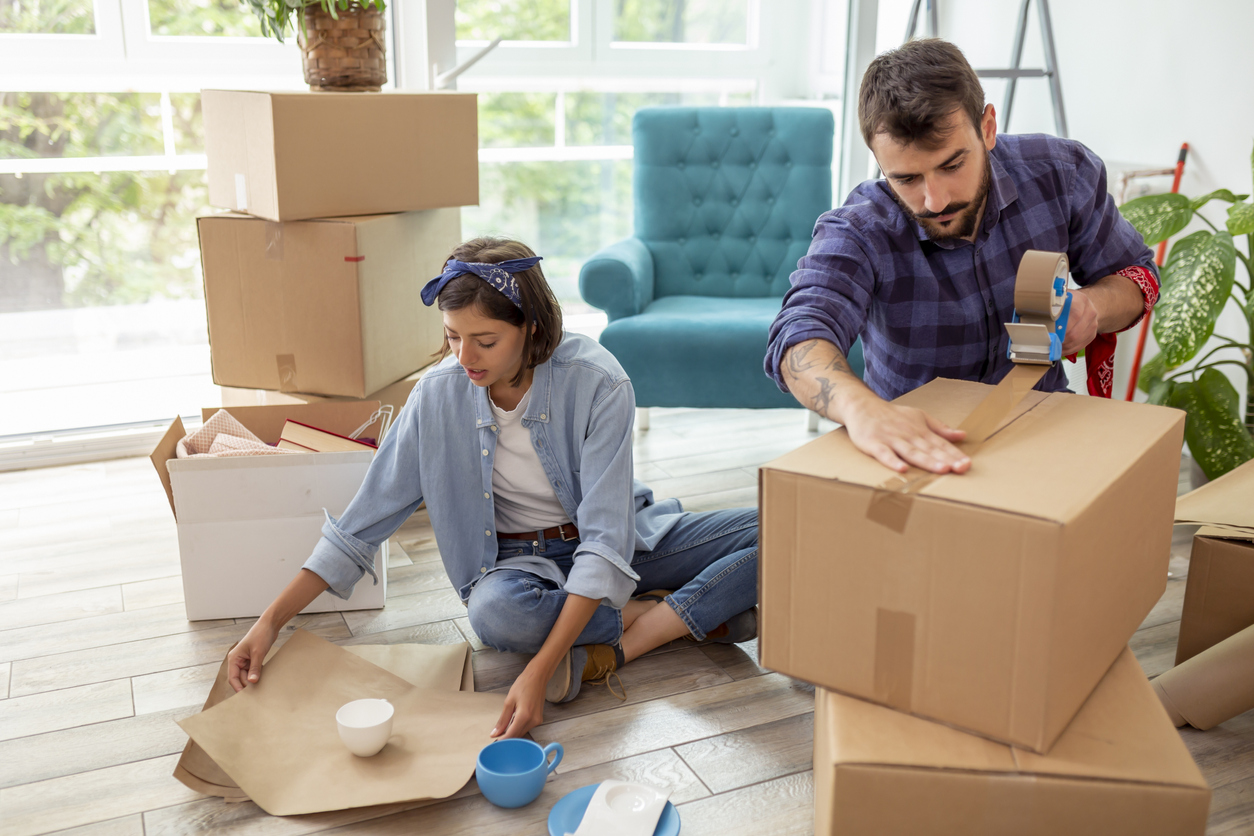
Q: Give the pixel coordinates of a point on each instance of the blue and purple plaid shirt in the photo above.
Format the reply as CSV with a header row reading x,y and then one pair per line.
x,y
928,309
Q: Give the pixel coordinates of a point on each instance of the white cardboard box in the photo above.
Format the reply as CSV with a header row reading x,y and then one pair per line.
x,y
247,524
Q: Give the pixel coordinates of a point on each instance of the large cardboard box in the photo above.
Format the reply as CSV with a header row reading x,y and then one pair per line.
x,y
995,600
328,307
1219,592
393,395
247,524
1120,769
296,155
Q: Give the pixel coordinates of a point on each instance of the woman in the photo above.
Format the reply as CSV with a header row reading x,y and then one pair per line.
x,y
520,444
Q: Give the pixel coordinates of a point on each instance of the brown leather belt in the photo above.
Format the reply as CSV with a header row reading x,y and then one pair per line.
x,y
565,531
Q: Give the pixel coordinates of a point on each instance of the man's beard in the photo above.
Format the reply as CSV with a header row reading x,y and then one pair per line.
x,y
963,226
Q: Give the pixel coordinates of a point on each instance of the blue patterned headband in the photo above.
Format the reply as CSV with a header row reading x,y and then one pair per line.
x,y
500,276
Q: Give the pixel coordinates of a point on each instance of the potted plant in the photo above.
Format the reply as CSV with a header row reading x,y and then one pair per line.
x,y
342,41
1199,280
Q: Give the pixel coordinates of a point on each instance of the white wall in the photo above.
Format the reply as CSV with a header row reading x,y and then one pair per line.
x,y
1138,78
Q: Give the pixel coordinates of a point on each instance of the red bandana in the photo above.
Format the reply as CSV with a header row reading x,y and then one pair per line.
x,y
1100,354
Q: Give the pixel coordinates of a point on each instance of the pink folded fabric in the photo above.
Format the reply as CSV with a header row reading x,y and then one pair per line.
x,y
223,435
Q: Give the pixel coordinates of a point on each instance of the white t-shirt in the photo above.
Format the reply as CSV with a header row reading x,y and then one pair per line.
x,y
523,498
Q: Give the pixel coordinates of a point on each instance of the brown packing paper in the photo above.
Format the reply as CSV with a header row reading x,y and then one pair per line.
x,y
1215,685
278,739
440,667
1227,501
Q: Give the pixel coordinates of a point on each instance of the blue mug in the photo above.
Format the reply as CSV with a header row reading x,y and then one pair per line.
x,y
512,772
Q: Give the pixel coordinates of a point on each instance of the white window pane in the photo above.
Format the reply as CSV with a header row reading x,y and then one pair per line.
x,y
516,120
53,17
565,211
228,18
605,118
513,20
682,21
34,125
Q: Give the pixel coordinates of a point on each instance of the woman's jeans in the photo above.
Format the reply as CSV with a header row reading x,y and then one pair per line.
x,y
710,559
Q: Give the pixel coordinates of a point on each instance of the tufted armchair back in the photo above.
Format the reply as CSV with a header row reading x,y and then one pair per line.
x,y
726,198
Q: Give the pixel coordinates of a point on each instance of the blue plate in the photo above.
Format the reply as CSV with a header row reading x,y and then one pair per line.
x,y
568,812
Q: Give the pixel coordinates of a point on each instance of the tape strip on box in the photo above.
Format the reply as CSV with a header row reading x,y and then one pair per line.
x,y
894,658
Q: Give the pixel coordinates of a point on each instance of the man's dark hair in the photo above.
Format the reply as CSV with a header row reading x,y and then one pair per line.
x,y
909,93
540,306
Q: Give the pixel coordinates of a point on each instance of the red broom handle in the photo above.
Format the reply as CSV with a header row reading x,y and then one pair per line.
x,y
1159,259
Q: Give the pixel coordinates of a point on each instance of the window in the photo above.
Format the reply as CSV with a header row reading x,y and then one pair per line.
x,y
556,101
101,178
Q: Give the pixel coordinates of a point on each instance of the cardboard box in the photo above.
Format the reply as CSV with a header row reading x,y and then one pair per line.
x,y
328,307
394,395
1120,769
999,598
1219,593
297,155
247,524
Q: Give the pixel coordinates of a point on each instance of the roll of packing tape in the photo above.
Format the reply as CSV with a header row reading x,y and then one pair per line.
x,y
1035,299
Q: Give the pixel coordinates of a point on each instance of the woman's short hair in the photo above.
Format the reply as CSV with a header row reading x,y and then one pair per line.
x,y
909,93
539,305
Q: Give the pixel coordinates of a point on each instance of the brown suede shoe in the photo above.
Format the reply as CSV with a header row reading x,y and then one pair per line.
x,y
593,663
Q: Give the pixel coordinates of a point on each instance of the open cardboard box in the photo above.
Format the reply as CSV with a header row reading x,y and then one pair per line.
x,y
289,156
328,307
1119,769
1219,592
996,600
247,524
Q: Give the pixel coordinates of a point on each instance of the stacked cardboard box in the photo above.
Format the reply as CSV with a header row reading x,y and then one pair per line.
x,y
344,205
993,603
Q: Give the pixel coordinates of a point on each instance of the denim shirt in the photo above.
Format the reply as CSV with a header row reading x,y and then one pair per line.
x,y
441,450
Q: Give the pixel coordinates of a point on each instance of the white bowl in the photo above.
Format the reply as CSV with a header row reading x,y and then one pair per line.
x,y
365,725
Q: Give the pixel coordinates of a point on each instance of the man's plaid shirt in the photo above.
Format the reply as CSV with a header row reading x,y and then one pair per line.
x,y
928,309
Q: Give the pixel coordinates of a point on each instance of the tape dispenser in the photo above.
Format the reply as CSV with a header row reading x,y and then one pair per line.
x,y
1042,306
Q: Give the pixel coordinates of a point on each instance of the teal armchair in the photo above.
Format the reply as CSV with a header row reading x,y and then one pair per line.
x,y
725,205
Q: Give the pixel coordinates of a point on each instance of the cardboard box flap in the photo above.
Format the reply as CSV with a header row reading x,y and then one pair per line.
x,y
165,450
267,422
1229,500
1016,469
1223,532
1120,734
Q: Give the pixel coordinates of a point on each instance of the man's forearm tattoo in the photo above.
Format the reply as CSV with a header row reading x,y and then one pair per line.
x,y
824,397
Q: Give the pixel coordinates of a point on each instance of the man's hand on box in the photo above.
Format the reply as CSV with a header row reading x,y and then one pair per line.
x,y
1081,324
243,663
897,436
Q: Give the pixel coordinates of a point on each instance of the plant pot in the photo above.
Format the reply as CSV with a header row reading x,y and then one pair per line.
x,y
346,52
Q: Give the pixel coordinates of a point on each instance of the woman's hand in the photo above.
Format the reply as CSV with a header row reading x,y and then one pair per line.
x,y
524,705
243,663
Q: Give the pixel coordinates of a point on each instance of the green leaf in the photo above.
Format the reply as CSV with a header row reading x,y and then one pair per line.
x,y
1152,370
1160,391
1197,280
1216,436
1219,194
1158,216
1241,218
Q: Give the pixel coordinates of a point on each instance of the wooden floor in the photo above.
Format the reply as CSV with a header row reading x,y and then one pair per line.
x,y
97,661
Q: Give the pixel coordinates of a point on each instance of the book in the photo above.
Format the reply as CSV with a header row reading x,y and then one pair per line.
x,y
304,438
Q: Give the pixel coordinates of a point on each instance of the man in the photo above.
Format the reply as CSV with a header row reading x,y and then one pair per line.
x,y
922,263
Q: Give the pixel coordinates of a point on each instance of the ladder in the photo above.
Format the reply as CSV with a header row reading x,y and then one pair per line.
x,y
1015,71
